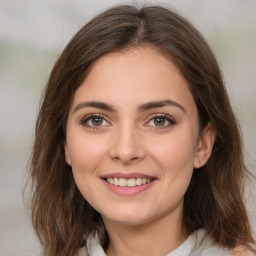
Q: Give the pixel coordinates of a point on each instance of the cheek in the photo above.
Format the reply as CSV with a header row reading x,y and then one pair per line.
x,y
86,153
175,157
175,152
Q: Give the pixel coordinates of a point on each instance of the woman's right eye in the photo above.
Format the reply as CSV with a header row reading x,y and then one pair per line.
x,y
94,121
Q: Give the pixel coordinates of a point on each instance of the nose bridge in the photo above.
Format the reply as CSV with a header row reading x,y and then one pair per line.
x,y
126,145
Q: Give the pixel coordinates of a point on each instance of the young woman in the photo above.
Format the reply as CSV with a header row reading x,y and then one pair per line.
x,y
137,150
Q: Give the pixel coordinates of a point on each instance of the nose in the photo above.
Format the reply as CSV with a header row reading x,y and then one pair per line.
x,y
127,146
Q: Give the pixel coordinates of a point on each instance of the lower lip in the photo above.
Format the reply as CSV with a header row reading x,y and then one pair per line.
x,y
128,190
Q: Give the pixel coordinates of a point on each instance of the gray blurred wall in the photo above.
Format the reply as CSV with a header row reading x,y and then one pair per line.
x,y
33,33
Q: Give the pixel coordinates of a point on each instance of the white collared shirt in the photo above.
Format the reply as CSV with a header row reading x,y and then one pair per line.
x,y
197,244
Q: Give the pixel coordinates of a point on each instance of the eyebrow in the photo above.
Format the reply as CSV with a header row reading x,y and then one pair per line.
x,y
141,108
95,104
159,104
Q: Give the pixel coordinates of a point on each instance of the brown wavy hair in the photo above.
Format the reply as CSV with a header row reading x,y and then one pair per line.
x,y
61,217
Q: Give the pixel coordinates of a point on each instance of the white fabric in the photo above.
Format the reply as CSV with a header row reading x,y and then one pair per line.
x,y
198,244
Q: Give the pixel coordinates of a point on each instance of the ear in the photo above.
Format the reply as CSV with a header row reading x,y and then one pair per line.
x,y
204,146
67,154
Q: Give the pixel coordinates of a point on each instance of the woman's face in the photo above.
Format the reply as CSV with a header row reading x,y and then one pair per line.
x,y
133,137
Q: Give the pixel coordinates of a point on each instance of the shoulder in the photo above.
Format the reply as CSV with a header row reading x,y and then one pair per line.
x,y
241,251
205,246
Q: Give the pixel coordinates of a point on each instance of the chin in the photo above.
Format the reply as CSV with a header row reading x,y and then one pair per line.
x,y
131,218
128,221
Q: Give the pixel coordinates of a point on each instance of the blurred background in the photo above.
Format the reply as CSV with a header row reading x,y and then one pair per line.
x,y
32,35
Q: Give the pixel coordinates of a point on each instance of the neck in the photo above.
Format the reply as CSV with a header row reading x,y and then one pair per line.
x,y
155,238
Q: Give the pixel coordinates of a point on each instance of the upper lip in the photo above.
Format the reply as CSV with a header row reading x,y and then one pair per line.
x,y
127,175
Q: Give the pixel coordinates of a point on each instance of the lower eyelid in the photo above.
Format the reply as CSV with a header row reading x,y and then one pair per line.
x,y
87,118
84,121
167,118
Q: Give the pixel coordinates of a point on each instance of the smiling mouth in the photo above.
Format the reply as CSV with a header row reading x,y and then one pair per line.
x,y
133,182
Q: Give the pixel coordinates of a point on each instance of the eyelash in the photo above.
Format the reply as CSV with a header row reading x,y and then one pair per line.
x,y
86,119
167,118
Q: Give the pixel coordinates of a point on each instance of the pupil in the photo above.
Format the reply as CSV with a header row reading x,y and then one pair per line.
x,y
159,121
97,121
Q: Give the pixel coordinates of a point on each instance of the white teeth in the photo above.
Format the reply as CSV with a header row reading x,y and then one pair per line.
x,y
116,182
128,182
131,183
122,182
138,181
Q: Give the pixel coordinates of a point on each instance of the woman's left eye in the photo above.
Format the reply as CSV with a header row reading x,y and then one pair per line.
x,y
161,121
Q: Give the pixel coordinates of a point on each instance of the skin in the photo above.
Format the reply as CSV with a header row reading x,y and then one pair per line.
x,y
129,139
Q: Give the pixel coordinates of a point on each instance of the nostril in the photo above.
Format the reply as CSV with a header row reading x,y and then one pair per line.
x,y
126,158
134,158
126,152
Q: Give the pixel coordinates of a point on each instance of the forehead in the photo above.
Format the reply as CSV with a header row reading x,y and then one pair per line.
x,y
135,75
